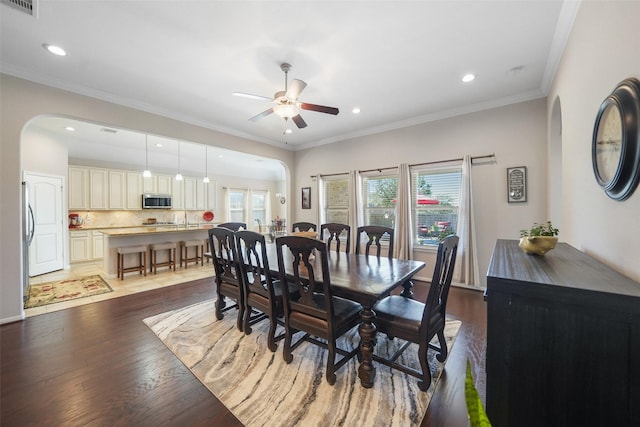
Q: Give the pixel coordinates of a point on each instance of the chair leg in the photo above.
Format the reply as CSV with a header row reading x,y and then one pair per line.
x,y
246,319
286,351
331,362
271,340
443,353
425,382
220,304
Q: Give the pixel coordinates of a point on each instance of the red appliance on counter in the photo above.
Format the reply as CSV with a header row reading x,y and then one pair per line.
x,y
75,221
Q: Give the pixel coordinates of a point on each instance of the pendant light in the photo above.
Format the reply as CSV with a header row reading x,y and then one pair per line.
x,y
206,165
178,175
147,172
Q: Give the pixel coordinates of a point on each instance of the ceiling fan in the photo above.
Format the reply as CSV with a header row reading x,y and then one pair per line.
x,y
286,101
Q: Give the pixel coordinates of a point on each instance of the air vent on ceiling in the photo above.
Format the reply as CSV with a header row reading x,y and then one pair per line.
x,y
30,7
108,130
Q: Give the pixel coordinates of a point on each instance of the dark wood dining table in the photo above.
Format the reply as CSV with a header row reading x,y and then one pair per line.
x,y
365,279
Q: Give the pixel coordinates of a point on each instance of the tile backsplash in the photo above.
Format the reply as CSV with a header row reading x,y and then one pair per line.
x,y
96,219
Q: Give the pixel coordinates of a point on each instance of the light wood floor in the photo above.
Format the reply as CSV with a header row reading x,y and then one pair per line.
x,y
98,364
132,283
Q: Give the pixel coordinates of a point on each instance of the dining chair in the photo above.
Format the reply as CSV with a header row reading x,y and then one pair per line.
x,y
374,234
417,322
262,292
304,226
235,226
335,230
228,276
317,315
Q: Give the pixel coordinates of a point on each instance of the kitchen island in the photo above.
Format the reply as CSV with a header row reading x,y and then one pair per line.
x,y
135,236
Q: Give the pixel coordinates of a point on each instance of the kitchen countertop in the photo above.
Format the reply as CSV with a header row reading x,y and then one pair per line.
x,y
142,230
118,227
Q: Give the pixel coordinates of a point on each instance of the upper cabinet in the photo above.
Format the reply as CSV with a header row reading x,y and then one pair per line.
x,y
98,189
110,189
78,188
117,190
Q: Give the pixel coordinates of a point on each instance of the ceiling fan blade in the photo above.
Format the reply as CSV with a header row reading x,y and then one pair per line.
x,y
294,89
261,115
299,121
319,108
251,96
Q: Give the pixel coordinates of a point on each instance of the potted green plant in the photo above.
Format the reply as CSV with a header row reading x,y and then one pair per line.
x,y
539,239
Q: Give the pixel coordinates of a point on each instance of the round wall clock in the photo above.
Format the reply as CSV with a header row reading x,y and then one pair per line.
x,y
615,147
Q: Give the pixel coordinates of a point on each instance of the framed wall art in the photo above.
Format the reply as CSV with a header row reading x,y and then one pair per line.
x,y
306,197
517,184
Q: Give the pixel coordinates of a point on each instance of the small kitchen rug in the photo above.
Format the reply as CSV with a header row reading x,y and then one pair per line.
x,y
65,290
261,390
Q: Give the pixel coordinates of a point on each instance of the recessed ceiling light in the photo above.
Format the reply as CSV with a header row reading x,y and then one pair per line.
x,y
158,145
288,131
356,110
468,77
70,128
56,50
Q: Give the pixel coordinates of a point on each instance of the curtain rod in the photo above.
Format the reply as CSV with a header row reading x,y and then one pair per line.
x,y
486,156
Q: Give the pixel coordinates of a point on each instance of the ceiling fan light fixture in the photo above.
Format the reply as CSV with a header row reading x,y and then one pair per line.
x,y
286,111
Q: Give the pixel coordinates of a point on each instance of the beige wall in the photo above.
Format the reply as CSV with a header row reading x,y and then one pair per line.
x,y
602,51
20,102
515,134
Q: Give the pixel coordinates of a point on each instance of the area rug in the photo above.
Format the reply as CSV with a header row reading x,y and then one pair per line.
x,y
260,389
65,290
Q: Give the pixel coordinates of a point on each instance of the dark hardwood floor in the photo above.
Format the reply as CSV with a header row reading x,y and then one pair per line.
x,y
99,364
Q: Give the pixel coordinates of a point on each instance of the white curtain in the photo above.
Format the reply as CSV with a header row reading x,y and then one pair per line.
x,y
355,216
404,223
467,257
319,202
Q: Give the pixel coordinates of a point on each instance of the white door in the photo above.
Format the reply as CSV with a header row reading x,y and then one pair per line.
x,y
46,252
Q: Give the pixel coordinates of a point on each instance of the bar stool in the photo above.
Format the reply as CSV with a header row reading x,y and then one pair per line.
x,y
142,260
184,252
153,256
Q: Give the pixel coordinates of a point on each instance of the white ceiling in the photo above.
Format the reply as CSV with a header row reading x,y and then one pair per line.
x,y
400,62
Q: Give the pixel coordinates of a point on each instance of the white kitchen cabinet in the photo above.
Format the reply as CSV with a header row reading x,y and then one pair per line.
x,y
157,184
134,190
97,245
177,194
117,190
165,184
79,246
195,197
98,189
78,188
211,196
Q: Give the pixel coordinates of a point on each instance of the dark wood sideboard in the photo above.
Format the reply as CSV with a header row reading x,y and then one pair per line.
x,y
563,340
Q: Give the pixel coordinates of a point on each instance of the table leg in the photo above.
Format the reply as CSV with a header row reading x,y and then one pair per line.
x,y
367,330
407,292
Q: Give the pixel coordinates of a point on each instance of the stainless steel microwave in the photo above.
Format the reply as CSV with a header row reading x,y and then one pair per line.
x,y
156,201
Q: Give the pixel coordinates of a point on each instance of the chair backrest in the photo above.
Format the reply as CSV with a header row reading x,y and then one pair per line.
x,y
375,233
225,256
304,226
436,305
310,279
335,229
254,264
235,226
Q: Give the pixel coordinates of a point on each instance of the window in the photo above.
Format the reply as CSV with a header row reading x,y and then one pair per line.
x,y
436,195
336,200
236,205
379,199
248,206
259,207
